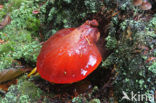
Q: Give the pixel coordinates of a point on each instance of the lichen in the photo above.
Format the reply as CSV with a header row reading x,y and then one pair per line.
x,y
135,44
25,91
19,36
79,99
111,42
152,68
95,101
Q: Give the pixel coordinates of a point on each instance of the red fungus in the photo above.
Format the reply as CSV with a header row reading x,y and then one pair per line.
x,y
146,5
137,2
35,11
70,55
1,7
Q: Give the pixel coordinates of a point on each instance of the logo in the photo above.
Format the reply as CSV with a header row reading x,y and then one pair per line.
x,y
137,97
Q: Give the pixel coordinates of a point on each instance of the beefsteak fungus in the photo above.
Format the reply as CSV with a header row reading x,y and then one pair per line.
x,y
70,55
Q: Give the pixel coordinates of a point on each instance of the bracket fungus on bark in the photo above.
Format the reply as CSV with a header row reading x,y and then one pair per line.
x,y
71,54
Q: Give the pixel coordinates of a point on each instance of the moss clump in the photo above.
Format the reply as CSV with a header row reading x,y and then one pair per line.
x,y
19,36
95,101
152,68
58,14
130,57
79,99
111,42
25,91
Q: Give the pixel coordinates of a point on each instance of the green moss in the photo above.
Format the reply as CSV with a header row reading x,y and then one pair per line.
x,y
134,73
86,99
79,99
25,91
95,101
19,35
108,61
23,18
57,14
68,1
14,4
152,23
152,68
29,89
111,42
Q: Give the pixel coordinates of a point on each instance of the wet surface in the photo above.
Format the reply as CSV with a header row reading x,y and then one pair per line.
x,y
71,57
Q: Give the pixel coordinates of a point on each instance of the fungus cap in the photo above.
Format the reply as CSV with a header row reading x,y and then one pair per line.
x,y
146,5
70,55
137,2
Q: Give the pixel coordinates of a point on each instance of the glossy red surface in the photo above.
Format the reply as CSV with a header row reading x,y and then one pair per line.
x,y
70,55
